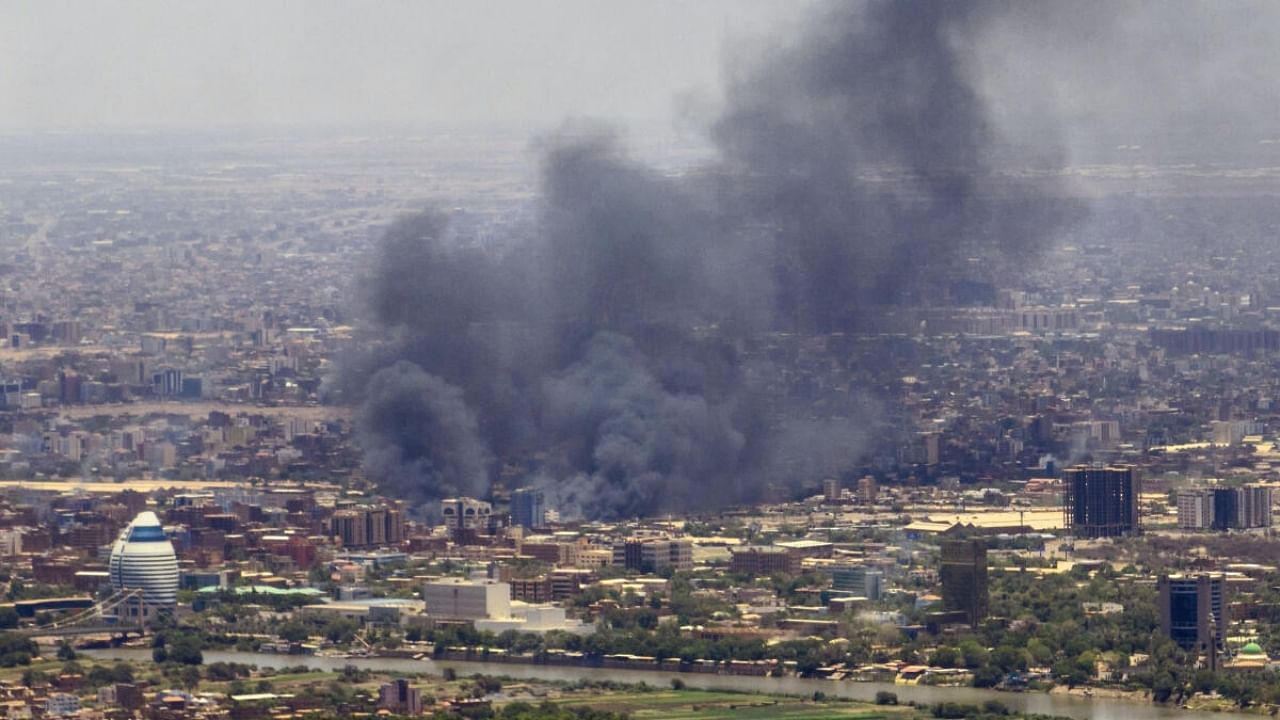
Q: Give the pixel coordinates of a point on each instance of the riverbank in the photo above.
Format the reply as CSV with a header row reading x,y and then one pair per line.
x,y
1071,706
1109,693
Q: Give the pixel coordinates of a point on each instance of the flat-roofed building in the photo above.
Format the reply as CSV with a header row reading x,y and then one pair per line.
x,y
463,599
400,698
857,580
1222,508
764,560
653,554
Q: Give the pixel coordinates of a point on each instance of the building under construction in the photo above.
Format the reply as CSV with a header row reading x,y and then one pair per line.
x,y
1100,501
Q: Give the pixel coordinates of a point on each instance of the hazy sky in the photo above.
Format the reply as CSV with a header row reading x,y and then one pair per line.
x,y
519,63
1083,72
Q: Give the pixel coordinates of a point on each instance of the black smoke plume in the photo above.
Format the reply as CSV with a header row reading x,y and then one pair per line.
x,y
419,436
867,147
610,358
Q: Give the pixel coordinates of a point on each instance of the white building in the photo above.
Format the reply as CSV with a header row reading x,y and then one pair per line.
x,y
534,618
1233,432
61,705
10,541
1195,509
464,513
1223,508
143,558
462,599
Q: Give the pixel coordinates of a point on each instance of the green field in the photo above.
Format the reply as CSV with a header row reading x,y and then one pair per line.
x,y
710,705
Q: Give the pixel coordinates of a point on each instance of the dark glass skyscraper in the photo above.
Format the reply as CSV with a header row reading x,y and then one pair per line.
x,y
1224,508
1193,611
1100,501
528,509
964,578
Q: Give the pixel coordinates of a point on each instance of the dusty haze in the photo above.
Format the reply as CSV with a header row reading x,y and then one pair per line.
x,y
863,156
475,63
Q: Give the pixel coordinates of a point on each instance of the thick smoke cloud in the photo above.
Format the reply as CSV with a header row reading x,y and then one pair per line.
x,y
606,358
869,148
419,437
637,445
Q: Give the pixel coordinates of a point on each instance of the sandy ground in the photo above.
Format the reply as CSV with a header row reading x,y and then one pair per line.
x,y
200,409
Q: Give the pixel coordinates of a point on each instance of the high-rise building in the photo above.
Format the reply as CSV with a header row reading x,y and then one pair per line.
x,y
348,527
1253,506
143,559
1195,509
366,526
167,382
528,508
867,490
1193,611
1233,432
1225,508
1100,501
831,490
464,515
964,578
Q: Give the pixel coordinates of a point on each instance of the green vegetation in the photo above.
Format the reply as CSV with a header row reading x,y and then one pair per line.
x,y
16,650
717,705
19,590
181,646
543,711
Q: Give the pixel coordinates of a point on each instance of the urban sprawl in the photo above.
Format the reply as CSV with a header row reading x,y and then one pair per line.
x,y
1057,482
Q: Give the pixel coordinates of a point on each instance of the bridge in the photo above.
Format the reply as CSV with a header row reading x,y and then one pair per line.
x,y
97,620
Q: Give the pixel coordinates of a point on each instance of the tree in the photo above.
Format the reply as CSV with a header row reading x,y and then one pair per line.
x,y
16,650
975,655
341,631
186,649
1040,652
945,656
987,676
884,697
1009,659
294,632
995,707
1204,681
1162,686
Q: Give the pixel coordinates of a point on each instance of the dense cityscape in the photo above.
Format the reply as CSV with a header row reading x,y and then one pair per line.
x,y
828,408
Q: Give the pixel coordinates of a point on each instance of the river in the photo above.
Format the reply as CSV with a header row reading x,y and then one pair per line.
x,y
1027,702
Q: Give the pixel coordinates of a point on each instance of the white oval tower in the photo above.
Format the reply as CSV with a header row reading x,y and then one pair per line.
x,y
143,559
